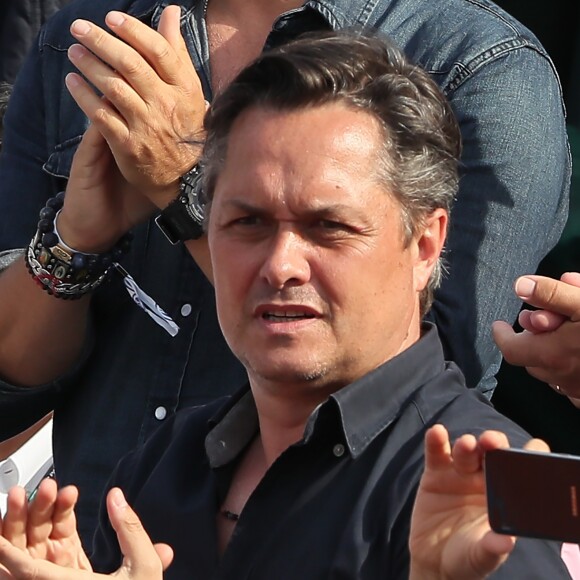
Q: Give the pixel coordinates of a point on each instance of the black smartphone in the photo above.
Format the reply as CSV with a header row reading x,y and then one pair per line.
x,y
533,494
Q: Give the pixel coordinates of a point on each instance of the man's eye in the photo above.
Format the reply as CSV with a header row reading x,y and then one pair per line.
x,y
248,220
331,225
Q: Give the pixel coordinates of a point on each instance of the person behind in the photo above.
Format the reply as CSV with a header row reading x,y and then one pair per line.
x,y
20,21
112,375
548,343
325,239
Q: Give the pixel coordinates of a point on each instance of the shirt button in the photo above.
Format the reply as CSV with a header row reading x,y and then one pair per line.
x,y
186,310
338,450
160,413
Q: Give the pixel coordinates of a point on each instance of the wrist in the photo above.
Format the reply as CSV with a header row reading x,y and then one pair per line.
x,y
183,218
82,239
167,196
61,270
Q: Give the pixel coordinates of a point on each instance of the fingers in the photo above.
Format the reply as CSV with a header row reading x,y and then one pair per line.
x,y
468,451
466,455
140,556
170,29
572,278
537,445
140,55
537,321
547,293
105,59
508,341
164,50
99,111
490,440
523,348
14,524
437,448
40,511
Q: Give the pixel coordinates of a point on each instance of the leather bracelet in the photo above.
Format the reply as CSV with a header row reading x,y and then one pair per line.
x,y
59,269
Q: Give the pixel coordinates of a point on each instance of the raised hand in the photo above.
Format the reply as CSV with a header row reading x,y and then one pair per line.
x,y
100,205
549,345
450,534
46,527
153,105
142,560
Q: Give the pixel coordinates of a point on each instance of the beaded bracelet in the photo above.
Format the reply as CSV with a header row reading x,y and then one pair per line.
x,y
60,270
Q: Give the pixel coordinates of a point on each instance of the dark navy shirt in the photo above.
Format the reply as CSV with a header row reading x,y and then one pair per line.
x,y
336,505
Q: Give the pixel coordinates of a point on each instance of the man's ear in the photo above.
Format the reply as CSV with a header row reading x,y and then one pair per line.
x,y
429,245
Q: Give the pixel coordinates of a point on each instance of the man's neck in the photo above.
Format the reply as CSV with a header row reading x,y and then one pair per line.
x,y
240,9
283,414
237,31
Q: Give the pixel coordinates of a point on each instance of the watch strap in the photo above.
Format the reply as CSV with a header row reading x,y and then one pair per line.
x,y
182,219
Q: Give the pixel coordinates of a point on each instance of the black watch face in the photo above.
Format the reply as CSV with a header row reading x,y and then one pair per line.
x,y
191,189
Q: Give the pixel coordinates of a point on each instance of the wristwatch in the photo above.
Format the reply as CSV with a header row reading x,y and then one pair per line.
x,y
182,219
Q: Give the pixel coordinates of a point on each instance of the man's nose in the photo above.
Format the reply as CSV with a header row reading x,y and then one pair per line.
x,y
287,261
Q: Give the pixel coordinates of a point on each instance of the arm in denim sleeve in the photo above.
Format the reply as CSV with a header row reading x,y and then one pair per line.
x,y
42,337
512,202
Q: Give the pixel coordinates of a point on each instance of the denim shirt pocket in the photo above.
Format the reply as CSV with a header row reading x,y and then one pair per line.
x,y
59,161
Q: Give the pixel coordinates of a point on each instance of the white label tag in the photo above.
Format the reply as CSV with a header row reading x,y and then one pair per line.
x,y
146,303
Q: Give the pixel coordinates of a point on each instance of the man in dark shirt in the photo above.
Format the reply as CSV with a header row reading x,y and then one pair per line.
x,y
112,375
329,171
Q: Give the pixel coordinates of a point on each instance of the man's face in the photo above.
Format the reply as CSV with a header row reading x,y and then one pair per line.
x,y
314,285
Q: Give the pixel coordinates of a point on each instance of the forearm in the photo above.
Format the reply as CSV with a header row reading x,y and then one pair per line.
x,y
42,336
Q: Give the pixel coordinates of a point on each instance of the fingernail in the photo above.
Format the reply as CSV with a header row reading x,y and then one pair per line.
x,y
525,287
118,498
72,80
115,18
80,27
76,51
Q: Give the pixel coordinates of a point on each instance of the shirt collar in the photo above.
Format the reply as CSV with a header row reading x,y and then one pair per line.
x,y
371,404
364,408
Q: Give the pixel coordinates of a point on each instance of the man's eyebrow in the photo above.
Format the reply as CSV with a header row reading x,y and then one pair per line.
x,y
312,210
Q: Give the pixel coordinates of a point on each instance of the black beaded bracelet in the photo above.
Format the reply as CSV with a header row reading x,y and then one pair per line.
x,y
60,270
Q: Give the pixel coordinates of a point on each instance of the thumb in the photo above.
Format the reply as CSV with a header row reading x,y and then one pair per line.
x,y
491,552
550,294
141,559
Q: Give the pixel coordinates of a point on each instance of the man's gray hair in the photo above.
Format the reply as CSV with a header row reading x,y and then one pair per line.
x,y
418,161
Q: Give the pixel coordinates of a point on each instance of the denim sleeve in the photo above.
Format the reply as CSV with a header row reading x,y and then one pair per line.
x,y
512,203
24,189
24,185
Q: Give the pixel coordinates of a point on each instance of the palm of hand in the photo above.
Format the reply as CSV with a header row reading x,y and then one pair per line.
x,y
450,517
450,535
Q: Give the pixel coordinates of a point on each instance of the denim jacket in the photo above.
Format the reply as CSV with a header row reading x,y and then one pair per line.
x,y
510,211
